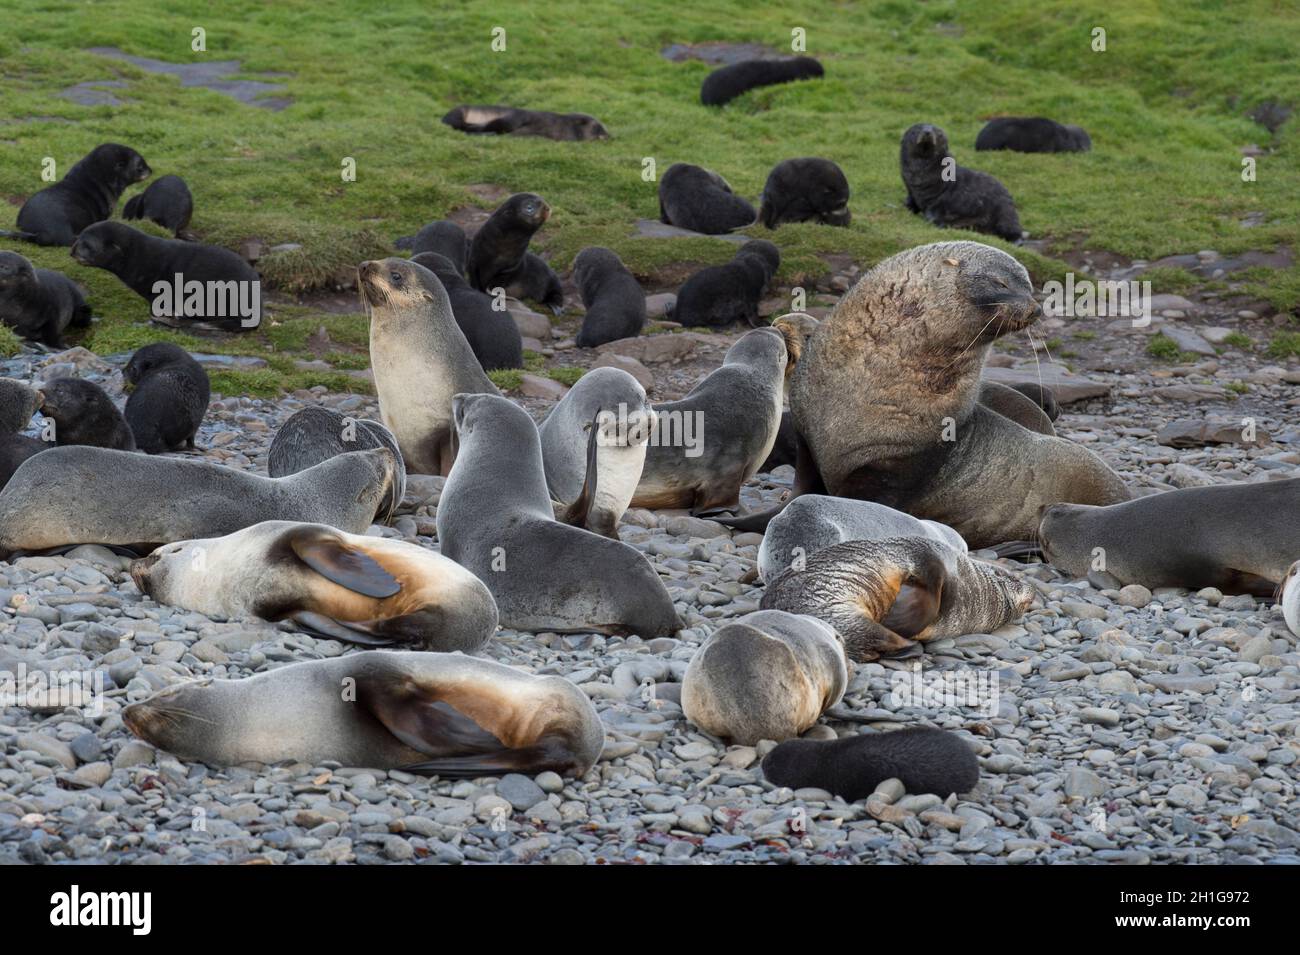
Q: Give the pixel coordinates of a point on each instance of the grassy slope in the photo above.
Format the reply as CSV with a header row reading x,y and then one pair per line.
x,y
1165,106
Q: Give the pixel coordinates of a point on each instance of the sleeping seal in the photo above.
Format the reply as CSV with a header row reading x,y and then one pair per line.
x,y
924,760
1032,134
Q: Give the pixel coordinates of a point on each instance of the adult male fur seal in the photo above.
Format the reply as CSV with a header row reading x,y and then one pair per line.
x,y
695,198
726,83
39,304
502,120
953,196
354,588
1032,134
883,596
170,392
87,194
767,675
83,413
495,518
492,334
924,760
420,360
438,714
805,190
499,256
317,434
1240,538
82,495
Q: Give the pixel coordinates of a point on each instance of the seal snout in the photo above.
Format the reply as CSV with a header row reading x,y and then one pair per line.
x,y
141,571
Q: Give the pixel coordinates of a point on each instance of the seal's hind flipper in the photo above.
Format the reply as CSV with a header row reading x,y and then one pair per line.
x,y
340,562
579,511
361,634
807,480
865,640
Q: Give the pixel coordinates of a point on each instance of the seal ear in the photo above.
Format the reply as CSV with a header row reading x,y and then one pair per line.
x,y
578,512
341,563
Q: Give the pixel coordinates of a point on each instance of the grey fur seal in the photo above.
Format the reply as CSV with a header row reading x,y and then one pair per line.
x,y
605,415
814,522
437,714
883,596
499,256
924,760
1240,538
317,434
18,402
1289,598
492,334
718,295
83,413
612,296
83,495
39,304
805,190
167,202
766,675
1032,134
726,83
495,518
420,360
952,196
695,198
735,413
170,392
503,120
87,194
348,587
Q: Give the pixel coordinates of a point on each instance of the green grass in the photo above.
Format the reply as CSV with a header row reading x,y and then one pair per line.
x,y
1166,349
10,344
507,379
1239,340
1166,107
1285,345
1238,387
566,375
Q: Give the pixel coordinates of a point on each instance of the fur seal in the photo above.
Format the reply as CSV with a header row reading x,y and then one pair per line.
x,y
767,675
142,502
169,397
1289,598
726,83
805,190
87,194
493,335
1042,396
695,198
39,304
713,440
719,295
924,760
444,238
952,196
1032,134
565,127
612,296
605,415
353,588
317,434
1240,538
814,522
883,596
499,256
17,405
167,202
420,360
495,519
438,714
231,299
84,414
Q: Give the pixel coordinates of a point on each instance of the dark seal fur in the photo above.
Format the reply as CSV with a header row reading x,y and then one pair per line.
x,y
169,397
87,194
695,198
1032,134
805,190
923,760
313,435
499,256
506,120
612,296
492,334
167,202
722,294
728,82
967,199
83,413
444,238
39,304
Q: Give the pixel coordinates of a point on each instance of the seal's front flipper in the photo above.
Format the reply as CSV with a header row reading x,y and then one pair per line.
x,y
579,511
807,480
529,759
340,562
361,634
917,604
865,640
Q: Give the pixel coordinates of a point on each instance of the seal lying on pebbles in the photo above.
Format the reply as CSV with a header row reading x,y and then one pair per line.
x,y
420,360
439,714
83,413
499,256
81,495
1032,134
357,589
713,440
695,198
1240,538
814,522
719,295
805,190
87,194
952,196
444,238
495,518
728,82
605,415
39,304
882,596
767,675
923,760
565,127
493,335
316,434
1289,598
169,397
166,202
612,296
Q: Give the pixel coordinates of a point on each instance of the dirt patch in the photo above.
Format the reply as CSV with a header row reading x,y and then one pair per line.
x,y
212,75
718,53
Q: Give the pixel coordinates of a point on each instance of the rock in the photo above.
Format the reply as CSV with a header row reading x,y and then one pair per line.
x,y
530,323
48,745
133,753
520,791
1186,796
653,349
1084,784
1133,595
1184,475
633,367
534,386
1188,341
1202,432
1067,386
659,305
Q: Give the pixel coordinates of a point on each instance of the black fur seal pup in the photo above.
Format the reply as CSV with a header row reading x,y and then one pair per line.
x,y
84,414
87,194
499,256
39,304
169,397
958,199
565,127
167,202
923,760
443,238
805,190
492,334
695,198
721,295
316,434
1032,134
232,287
17,405
613,298
728,82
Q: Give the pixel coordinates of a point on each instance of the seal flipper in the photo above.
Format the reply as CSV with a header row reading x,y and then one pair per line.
x,y
807,480
917,604
579,512
342,563
346,632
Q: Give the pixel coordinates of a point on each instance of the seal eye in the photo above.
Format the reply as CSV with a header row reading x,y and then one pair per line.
x,y
396,277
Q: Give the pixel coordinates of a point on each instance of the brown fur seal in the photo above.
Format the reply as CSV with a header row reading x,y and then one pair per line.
x,y
1240,538
358,589
505,120
882,596
924,760
420,360
767,675
437,714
